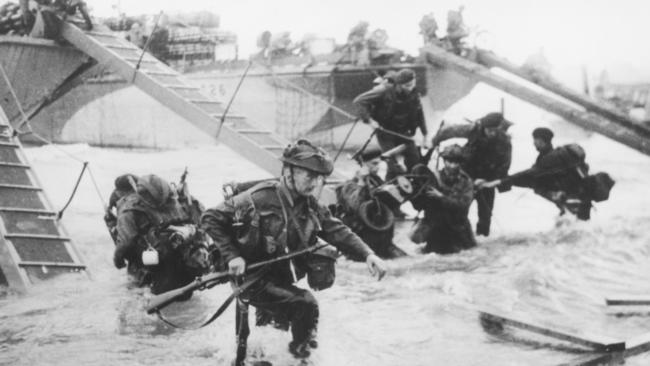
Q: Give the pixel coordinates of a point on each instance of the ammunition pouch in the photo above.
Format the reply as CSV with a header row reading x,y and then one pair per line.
x,y
321,268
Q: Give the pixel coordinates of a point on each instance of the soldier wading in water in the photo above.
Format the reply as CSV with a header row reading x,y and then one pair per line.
x,y
278,217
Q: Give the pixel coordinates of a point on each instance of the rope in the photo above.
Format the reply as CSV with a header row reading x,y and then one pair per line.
x,y
99,193
74,191
232,98
17,132
345,141
146,45
314,97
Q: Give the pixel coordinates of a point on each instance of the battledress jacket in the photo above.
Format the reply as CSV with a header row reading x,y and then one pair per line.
x,y
558,169
257,225
393,111
486,158
449,228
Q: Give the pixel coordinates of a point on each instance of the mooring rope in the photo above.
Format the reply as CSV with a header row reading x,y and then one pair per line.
x,y
25,122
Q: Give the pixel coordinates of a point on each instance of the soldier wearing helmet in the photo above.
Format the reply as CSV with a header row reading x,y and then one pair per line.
x,y
276,217
151,206
488,153
445,201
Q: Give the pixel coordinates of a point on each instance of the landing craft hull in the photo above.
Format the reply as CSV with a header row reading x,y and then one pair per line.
x,y
291,100
35,68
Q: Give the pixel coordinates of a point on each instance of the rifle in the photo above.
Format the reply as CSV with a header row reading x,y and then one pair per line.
x,y
357,154
183,189
183,176
158,302
377,127
427,156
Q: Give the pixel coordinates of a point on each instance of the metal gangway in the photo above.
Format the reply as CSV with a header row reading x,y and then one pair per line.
x,y
572,106
260,146
34,245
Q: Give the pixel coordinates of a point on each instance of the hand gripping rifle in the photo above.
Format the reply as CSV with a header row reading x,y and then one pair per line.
x,y
159,302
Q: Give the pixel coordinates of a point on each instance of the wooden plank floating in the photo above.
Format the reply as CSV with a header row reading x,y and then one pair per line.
x,y
628,301
595,342
633,347
51,264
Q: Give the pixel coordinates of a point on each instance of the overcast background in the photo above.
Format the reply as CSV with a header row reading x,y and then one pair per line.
x,y
596,33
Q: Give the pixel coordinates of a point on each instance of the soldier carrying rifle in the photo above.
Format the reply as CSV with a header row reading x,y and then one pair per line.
x,y
277,217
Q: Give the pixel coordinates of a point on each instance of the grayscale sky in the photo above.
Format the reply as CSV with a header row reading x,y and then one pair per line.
x,y
598,33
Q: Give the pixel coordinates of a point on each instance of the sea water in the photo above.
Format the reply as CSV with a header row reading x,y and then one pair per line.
x,y
551,270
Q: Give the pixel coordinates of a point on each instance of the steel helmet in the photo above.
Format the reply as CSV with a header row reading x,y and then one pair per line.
x,y
304,154
453,153
153,189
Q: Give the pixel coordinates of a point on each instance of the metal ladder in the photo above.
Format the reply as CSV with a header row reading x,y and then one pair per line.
x,y
633,136
490,59
262,147
33,244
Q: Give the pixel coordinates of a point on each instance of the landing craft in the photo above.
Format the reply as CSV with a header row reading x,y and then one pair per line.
x,y
46,76
164,85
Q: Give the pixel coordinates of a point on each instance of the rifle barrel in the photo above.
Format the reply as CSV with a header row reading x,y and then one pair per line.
x,y
158,302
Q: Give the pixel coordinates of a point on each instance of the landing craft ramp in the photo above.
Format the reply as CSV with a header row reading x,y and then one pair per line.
x,y
490,59
585,115
261,147
33,244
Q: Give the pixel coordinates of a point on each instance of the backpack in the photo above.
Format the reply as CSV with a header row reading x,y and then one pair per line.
x,y
563,157
599,185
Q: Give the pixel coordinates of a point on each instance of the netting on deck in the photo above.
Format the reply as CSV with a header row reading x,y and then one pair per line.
x,y
304,105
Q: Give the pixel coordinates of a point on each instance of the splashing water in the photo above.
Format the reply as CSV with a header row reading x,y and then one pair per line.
x,y
423,313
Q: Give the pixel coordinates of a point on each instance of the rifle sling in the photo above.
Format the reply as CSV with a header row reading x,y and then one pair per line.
x,y
236,292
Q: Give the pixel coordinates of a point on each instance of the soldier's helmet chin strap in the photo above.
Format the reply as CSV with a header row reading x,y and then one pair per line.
x,y
286,179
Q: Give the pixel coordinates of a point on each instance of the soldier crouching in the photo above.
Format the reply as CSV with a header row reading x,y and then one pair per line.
x,y
445,201
277,217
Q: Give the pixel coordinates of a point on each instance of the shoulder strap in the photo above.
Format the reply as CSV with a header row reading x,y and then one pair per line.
x,y
289,214
236,292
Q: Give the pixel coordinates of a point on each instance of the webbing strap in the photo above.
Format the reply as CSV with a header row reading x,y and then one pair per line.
x,y
235,294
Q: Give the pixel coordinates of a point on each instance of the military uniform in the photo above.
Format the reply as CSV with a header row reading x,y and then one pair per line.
x,y
136,223
142,217
265,222
445,214
559,176
449,229
486,158
397,112
350,196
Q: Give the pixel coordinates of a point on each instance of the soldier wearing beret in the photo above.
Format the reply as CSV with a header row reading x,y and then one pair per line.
x,y
559,175
396,108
